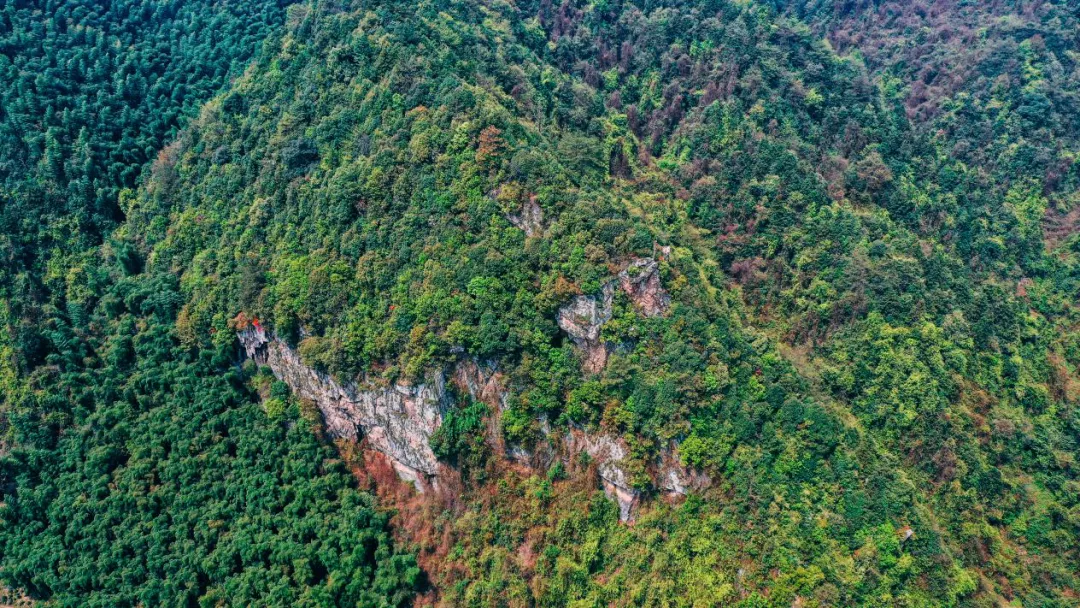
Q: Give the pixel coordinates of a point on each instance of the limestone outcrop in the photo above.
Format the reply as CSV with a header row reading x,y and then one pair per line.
x,y
530,219
641,281
608,452
675,479
584,316
582,319
397,420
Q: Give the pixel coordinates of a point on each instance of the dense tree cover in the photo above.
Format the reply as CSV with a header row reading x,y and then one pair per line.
x,y
852,347
871,344
995,83
915,289
92,91
148,474
134,471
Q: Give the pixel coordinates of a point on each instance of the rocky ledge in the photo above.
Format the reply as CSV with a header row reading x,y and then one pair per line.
x,y
399,420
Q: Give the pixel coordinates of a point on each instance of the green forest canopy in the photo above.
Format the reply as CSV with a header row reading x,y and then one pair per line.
x,y
872,328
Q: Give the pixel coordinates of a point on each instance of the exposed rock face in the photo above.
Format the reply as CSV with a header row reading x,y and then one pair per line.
x,y
485,384
607,452
397,420
584,316
530,219
641,281
674,478
582,319
482,382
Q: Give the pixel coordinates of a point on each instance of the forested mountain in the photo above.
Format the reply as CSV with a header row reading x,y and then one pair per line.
x,y
93,90
657,303
997,81
133,471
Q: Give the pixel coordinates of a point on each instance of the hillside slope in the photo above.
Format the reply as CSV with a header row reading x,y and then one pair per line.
x,y
813,352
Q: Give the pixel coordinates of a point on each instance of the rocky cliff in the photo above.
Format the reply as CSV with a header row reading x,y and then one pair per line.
x,y
641,282
583,318
399,420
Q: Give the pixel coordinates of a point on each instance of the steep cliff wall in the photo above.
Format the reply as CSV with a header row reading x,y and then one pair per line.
x,y
641,281
399,420
582,319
